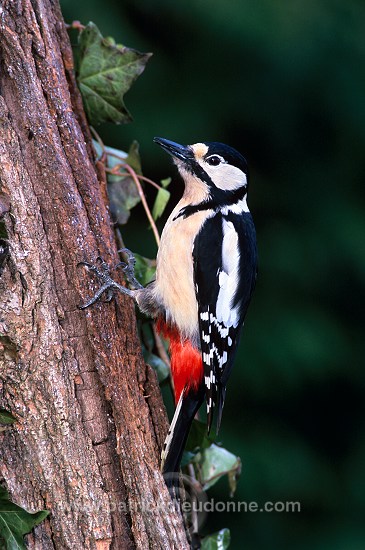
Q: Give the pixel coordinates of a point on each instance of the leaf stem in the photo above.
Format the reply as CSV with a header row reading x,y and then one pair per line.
x,y
75,25
136,178
150,181
144,201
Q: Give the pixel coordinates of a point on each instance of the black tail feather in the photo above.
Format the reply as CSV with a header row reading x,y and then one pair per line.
x,y
220,405
179,431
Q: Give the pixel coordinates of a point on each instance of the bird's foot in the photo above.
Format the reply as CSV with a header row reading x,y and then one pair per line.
x,y
128,268
108,285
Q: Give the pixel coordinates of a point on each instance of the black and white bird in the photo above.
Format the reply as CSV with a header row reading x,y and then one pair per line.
x,y
205,276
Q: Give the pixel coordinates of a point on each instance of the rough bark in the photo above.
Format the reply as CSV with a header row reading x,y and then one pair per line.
x,y
90,420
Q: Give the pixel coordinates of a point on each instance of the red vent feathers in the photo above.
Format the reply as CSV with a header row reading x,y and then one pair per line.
x,y
186,361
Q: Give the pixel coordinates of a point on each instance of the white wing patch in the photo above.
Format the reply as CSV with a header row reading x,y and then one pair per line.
x,y
228,277
219,322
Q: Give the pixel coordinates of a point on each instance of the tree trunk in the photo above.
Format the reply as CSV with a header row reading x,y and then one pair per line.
x,y
90,420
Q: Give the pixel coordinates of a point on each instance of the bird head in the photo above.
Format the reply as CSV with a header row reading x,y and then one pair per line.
x,y
214,167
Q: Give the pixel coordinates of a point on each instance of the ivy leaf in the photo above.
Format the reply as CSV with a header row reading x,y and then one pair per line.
x,y
6,417
15,522
133,158
217,541
122,191
147,335
187,458
162,370
105,72
216,462
198,438
144,269
148,343
161,201
166,182
114,156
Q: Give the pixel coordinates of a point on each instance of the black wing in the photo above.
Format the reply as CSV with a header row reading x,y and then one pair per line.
x,y
225,265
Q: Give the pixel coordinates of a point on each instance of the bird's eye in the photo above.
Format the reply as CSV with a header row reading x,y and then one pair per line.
x,y
214,160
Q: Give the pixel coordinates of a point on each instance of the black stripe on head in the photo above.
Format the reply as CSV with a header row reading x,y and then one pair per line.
x,y
193,166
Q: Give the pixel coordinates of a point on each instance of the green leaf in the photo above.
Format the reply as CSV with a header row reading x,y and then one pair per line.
x,y
162,370
105,72
161,201
145,269
188,457
198,438
6,417
148,338
15,522
217,541
117,156
216,462
148,344
123,196
114,156
134,158
166,182
122,190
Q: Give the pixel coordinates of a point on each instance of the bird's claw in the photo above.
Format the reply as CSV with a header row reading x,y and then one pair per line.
x,y
108,284
128,268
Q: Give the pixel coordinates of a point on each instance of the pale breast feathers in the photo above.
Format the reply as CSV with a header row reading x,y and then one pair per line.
x,y
174,285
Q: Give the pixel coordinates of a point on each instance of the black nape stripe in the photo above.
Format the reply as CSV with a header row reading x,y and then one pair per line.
x,y
217,199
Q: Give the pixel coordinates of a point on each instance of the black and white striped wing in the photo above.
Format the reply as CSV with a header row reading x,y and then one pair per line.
x,y
225,271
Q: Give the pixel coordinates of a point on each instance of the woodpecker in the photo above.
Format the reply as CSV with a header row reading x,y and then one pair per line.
x,y
205,275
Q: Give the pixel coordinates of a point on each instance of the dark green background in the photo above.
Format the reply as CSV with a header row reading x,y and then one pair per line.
x,y
283,82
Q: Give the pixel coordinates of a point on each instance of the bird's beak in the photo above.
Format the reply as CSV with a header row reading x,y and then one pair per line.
x,y
182,152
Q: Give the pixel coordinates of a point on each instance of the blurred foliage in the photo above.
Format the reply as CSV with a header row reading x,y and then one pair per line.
x,y
6,419
284,83
217,541
122,190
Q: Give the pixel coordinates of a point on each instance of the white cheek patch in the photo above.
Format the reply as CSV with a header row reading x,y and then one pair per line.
x,y
224,176
227,177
